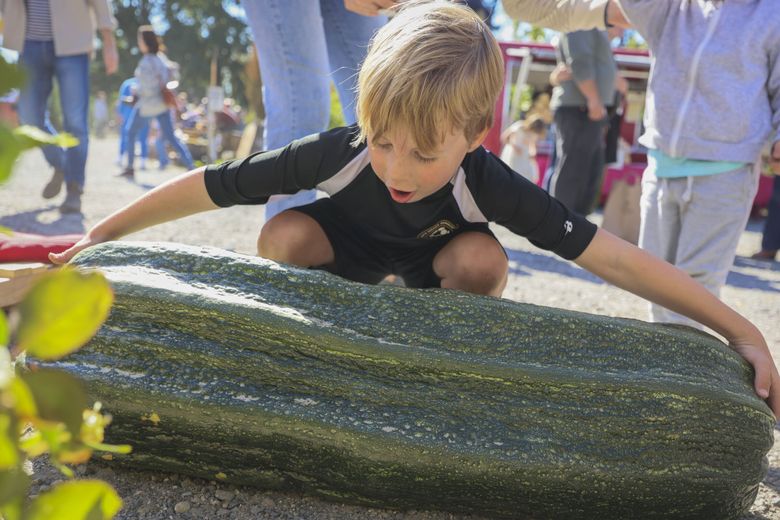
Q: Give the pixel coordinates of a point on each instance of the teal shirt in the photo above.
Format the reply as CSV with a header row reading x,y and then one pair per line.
x,y
668,167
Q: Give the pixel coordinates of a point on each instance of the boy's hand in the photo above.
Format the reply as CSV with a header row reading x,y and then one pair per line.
x,y
65,256
767,379
774,158
368,7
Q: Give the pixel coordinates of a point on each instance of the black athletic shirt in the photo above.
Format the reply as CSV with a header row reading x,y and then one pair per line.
x,y
484,189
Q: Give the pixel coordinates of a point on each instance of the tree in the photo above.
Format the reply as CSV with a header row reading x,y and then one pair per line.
x,y
193,32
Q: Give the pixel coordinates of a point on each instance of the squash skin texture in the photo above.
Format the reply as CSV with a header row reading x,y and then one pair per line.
x,y
235,368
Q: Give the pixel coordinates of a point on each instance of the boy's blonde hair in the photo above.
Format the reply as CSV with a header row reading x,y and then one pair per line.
x,y
435,67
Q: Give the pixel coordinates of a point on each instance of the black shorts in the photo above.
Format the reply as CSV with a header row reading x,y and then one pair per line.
x,y
361,257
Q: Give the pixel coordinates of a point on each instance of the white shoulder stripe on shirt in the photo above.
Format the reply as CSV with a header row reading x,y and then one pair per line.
x,y
466,203
346,175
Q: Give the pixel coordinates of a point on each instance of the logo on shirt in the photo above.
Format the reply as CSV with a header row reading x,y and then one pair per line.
x,y
568,226
440,229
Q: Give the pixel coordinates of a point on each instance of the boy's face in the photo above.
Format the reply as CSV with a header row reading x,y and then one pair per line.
x,y
411,175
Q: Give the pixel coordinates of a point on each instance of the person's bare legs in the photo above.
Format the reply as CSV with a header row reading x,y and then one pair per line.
x,y
295,238
473,262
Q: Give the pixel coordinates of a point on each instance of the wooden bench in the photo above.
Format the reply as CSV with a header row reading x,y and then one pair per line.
x,y
17,278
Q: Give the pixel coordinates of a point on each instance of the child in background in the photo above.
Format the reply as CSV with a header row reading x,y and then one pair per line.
x,y
100,114
412,190
519,150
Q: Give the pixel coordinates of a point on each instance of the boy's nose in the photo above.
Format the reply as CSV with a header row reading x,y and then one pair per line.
x,y
397,175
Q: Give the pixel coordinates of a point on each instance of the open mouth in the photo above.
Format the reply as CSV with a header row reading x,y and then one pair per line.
x,y
400,196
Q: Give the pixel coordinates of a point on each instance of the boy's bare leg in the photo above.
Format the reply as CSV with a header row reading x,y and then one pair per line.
x,y
295,238
473,262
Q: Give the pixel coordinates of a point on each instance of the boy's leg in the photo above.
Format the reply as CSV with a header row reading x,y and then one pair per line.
x,y
295,238
473,262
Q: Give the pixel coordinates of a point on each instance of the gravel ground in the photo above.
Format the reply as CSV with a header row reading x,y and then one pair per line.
x,y
536,276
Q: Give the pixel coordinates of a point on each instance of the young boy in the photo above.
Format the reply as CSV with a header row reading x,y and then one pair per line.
x,y
412,191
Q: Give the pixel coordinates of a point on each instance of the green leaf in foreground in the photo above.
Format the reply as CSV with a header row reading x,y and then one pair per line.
x,y
6,366
62,312
58,397
76,500
11,76
9,151
28,136
9,453
3,330
13,485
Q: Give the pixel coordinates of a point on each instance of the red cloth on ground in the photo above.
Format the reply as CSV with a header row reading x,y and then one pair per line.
x,y
24,247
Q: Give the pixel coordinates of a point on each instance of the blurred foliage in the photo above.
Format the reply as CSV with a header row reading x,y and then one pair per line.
x,y
336,114
43,410
193,32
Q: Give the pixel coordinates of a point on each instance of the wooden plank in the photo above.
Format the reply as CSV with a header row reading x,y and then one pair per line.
x,y
13,290
16,269
247,140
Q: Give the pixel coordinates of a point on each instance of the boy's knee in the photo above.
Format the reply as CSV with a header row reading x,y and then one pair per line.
x,y
485,274
294,238
277,238
476,264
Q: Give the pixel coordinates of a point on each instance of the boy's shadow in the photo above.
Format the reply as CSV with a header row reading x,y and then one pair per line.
x,y
45,221
518,260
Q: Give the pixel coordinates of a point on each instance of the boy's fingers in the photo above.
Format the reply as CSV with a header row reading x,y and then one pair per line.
x,y
762,381
766,381
57,258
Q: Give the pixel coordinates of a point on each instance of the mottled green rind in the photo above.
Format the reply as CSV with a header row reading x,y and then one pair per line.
x,y
293,379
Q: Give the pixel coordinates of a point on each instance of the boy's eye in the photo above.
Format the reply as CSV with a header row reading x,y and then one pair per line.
x,y
383,146
424,159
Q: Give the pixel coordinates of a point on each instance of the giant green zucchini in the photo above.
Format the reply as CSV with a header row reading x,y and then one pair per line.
x,y
226,366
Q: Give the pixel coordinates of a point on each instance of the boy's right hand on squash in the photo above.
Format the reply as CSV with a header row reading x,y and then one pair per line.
x,y
65,256
767,378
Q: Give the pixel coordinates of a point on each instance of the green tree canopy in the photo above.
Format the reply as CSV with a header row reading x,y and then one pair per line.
x,y
193,32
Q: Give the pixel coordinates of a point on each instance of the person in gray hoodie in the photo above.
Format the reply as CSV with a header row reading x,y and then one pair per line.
x,y
713,101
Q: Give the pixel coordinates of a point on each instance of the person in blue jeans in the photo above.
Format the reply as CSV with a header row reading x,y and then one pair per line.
x,y
152,74
770,242
55,40
302,45
125,110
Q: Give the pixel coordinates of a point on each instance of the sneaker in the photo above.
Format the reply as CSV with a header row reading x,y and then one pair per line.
x,y
72,203
143,164
765,255
55,184
128,173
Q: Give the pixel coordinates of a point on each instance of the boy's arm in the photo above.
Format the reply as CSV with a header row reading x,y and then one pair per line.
x,y
179,197
639,272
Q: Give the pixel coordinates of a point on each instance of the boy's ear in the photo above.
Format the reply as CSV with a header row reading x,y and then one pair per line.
x,y
478,139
